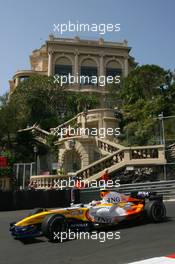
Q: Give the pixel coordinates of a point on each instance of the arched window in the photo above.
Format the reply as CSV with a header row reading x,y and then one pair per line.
x,y
113,68
63,67
88,69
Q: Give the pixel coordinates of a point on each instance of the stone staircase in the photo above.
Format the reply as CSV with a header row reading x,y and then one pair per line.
x,y
107,147
118,160
115,156
134,156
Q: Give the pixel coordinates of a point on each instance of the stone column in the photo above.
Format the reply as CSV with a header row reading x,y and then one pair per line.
x,y
101,66
76,67
127,157
126,67
17,81
50,61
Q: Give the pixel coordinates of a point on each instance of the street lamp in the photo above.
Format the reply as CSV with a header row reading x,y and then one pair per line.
x,y
35,150
161,118
117,113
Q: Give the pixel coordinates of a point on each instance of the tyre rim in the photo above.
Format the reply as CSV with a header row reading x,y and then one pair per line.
x,y
158,212
57,228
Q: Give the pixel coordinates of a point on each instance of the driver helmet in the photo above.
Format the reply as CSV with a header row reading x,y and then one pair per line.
x,y
103,192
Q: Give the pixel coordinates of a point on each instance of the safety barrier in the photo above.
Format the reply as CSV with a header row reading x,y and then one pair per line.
x,y
167,188
29,199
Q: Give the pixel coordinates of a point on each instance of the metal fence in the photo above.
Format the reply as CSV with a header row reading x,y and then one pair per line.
x,y
23,172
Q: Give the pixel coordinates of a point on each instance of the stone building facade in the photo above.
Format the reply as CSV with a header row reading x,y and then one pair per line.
x,y
78,57
88,155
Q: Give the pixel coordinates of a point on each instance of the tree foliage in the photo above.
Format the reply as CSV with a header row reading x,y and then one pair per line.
x,y
147,92
37,100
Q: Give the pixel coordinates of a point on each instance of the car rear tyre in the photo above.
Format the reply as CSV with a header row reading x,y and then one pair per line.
x,y
55,227
156,211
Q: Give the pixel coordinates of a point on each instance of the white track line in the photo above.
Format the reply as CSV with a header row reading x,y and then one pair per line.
x,y
157,260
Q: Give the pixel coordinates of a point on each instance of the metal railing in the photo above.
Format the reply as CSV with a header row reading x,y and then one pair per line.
x,y
167,188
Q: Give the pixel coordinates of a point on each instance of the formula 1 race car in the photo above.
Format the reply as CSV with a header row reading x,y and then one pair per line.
x,y
113,209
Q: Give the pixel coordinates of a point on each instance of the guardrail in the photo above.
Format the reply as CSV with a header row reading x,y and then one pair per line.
x,y
29,199
167,188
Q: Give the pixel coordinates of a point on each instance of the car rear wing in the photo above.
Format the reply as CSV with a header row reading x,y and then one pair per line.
x,y
146,195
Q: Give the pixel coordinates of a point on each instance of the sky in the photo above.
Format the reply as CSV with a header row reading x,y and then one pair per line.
x,y
148,26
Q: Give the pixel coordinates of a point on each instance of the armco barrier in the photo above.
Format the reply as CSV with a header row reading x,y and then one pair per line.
x,y
167,188
6,200
27,199
30,199
62,198
54,198
87,195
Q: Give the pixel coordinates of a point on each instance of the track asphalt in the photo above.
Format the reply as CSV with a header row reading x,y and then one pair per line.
x,y
137,242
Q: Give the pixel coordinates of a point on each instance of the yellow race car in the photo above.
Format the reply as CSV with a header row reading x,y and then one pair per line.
x,y
112,209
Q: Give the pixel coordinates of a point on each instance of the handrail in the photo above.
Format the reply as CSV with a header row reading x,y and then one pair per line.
x,y
125,154
108,146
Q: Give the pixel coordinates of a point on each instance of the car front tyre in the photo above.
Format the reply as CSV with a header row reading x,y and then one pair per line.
x,y
55,227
